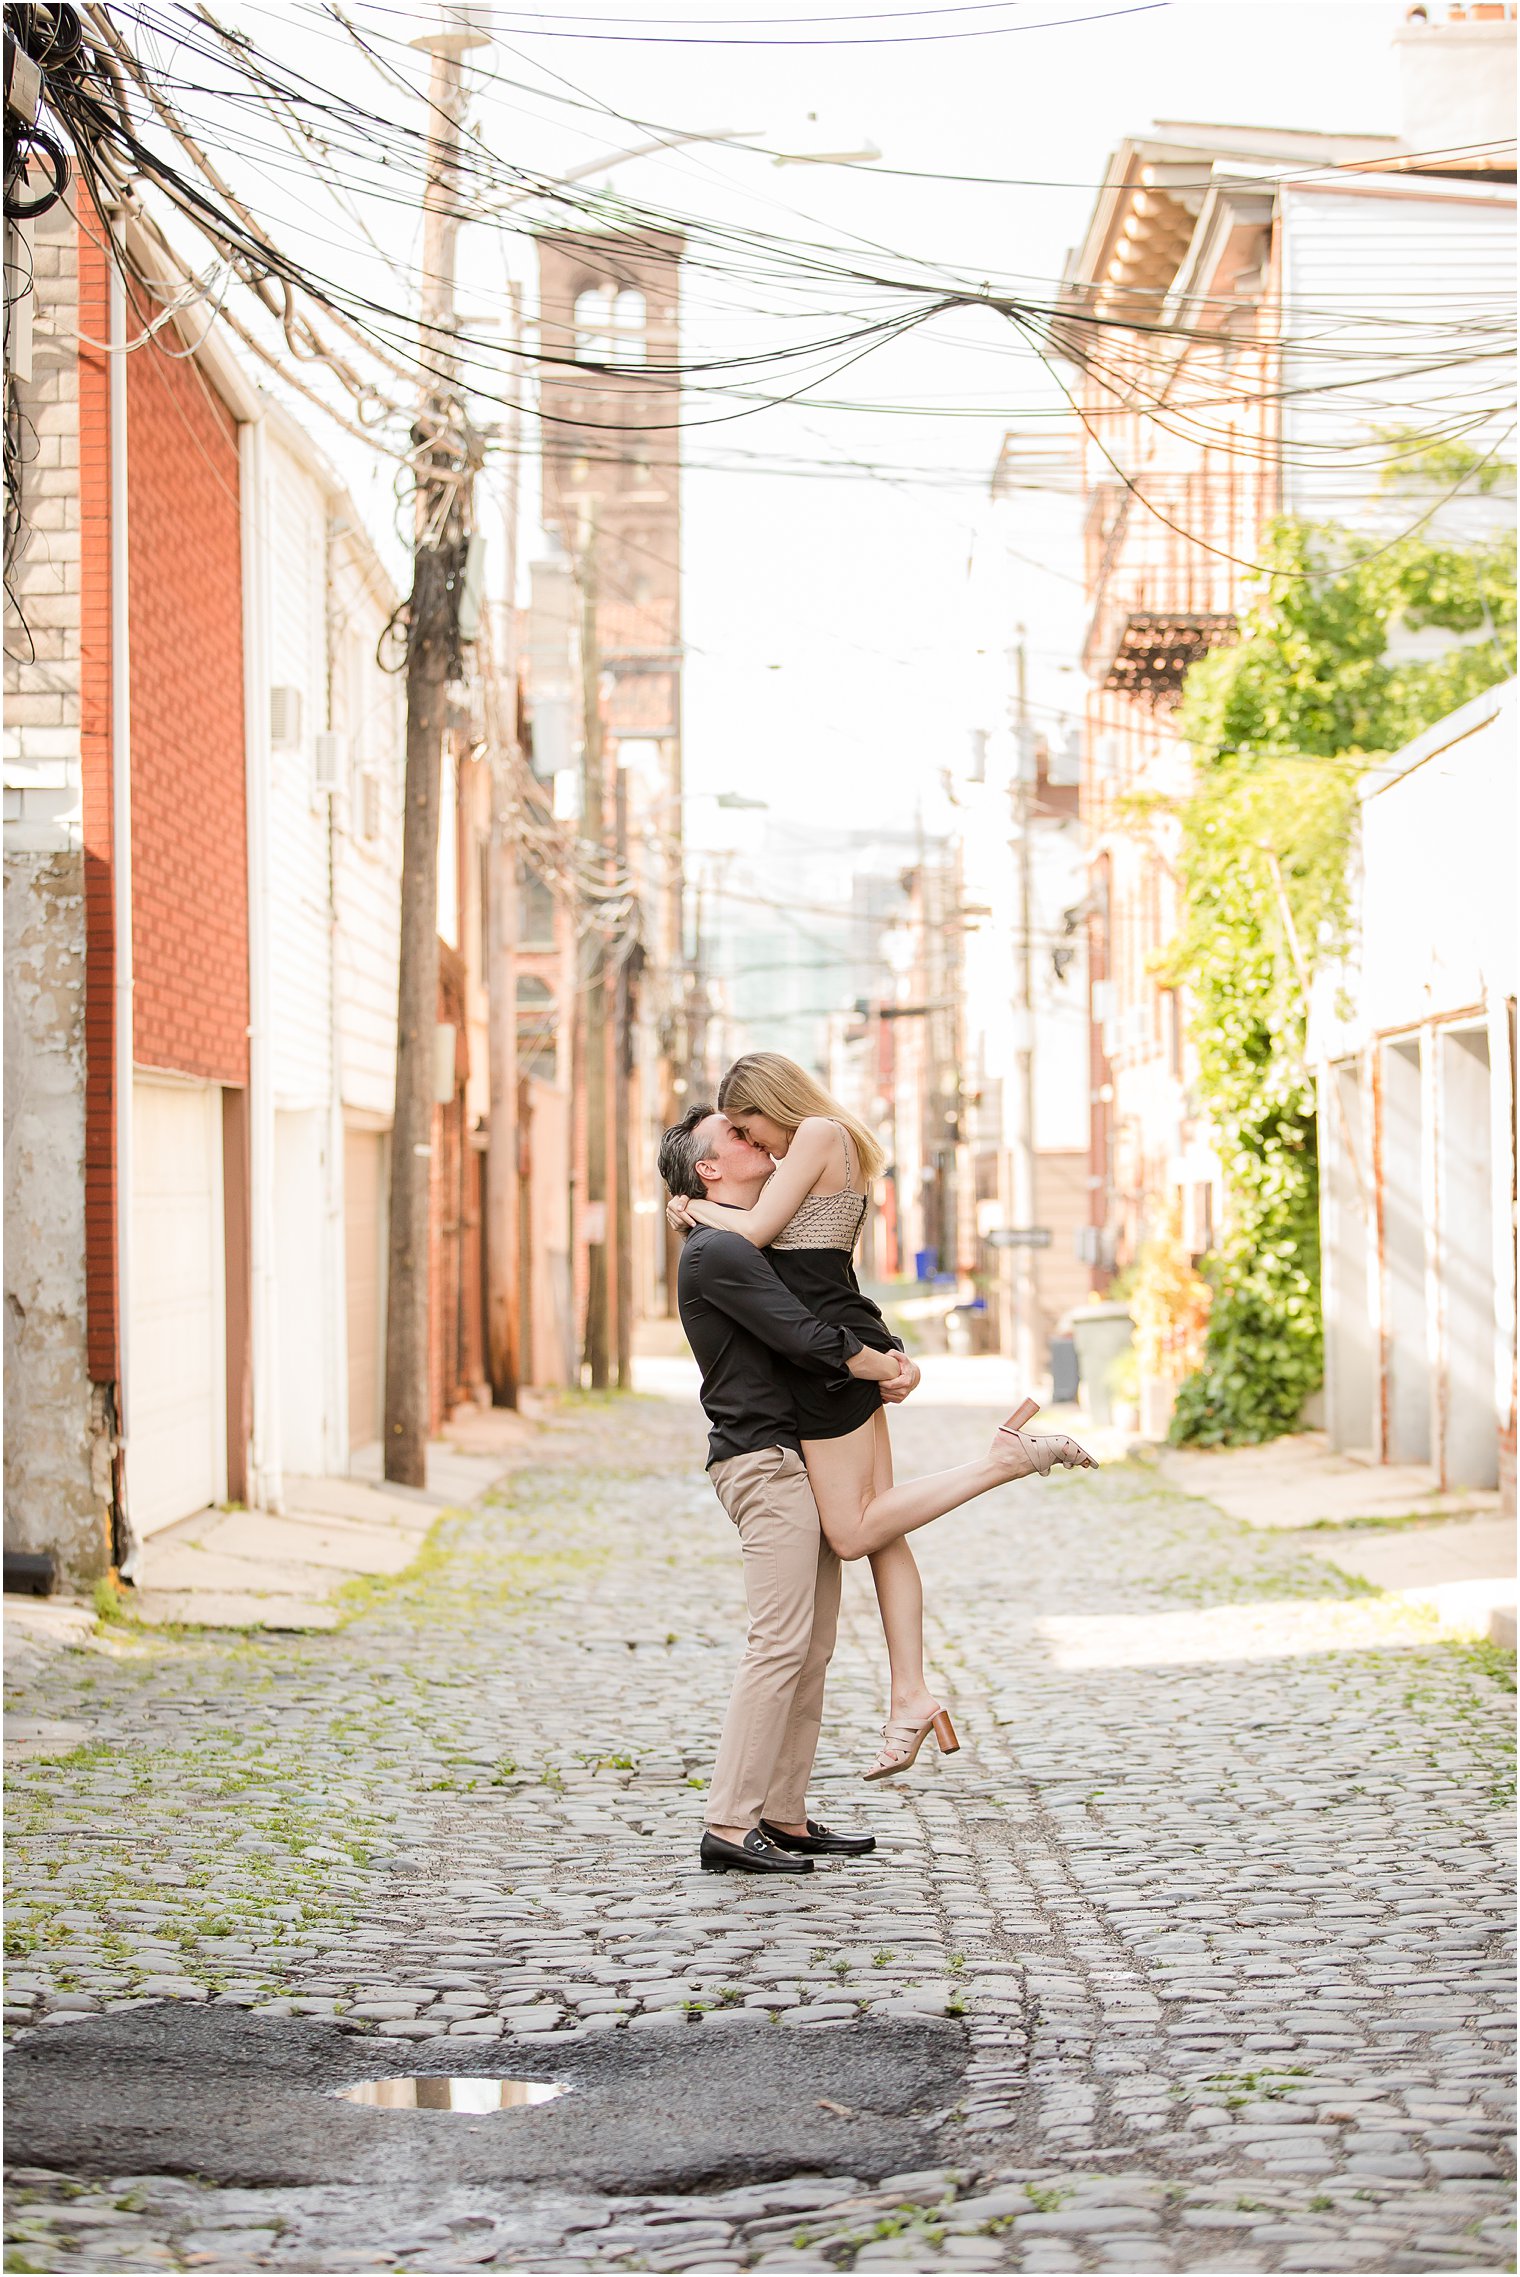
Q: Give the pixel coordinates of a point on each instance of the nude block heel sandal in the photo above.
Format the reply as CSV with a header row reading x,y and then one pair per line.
x,y
900,1744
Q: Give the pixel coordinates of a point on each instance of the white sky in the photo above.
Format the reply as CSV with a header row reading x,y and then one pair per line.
x,y
834,666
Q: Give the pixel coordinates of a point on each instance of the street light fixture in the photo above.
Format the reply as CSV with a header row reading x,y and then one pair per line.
x,y
734,802
865,154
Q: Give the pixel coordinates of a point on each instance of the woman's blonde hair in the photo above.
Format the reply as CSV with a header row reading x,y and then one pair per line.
x,y
764,1083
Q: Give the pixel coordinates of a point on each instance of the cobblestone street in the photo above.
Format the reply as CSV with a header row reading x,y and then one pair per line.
x,y
1212,1906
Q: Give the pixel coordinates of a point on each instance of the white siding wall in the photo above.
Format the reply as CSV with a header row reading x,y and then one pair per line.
x,y
312,1437
1423,1009
1392,279
300,942
335,866
1435,894
368,709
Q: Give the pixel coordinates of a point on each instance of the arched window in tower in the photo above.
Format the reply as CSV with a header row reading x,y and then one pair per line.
x,y
609,325
537,1029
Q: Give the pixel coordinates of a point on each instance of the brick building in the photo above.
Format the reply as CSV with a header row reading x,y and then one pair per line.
x,y
203,796
1223,249
609,331
126,785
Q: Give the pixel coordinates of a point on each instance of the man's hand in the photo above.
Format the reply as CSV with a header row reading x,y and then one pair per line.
x,y
909,1376
678,1214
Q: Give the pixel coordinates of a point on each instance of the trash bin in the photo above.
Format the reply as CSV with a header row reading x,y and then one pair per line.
x,y
1063,1371
925,1264
1100,1333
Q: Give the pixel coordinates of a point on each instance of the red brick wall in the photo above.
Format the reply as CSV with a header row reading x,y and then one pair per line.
x,y
95,770
189,815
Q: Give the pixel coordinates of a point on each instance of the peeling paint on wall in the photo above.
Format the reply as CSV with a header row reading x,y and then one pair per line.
x,y
57,1451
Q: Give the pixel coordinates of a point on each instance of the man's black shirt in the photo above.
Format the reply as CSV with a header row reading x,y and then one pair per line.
x,y
741,1324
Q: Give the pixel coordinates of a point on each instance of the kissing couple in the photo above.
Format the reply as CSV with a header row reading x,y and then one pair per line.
x,y
770,1189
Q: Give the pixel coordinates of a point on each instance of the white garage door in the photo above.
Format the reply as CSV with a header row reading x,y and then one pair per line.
x,y
364,1185
176,1366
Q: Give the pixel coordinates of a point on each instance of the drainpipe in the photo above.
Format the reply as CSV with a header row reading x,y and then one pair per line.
x,y
335,1448
121,869
266,1485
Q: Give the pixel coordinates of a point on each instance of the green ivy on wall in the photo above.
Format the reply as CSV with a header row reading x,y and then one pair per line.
x,y
1282,726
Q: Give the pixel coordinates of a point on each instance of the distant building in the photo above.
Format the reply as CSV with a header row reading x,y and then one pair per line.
x,y
1024,775
609,391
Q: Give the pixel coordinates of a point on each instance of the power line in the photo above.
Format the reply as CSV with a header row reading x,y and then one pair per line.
x,y
540,30
259,259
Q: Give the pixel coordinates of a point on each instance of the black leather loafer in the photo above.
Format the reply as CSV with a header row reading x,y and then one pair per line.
x,y
818,1841
754,1855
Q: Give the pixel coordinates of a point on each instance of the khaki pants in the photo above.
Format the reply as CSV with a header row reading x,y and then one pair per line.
x,y
791,1582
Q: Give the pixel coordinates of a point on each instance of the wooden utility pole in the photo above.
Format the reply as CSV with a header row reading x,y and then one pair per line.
x,y
432,661
598,1340
622,1110
699,1006
503,1227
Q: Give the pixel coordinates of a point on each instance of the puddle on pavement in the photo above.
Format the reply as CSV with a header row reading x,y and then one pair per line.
x,y
436,2092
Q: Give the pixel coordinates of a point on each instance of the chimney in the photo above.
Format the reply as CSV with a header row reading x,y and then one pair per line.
x,y
1457,86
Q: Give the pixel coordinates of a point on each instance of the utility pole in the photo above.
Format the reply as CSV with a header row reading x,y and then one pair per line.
x,y
432,661
622,1109
594,843
698,1003
503,1203
1025,1287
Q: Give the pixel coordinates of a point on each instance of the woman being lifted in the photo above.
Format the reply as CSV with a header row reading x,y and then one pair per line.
x,y
808,1219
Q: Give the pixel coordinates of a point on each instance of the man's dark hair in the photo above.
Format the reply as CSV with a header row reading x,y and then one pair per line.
x,y
680,1154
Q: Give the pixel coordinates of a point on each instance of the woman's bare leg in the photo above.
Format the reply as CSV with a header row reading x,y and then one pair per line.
x,y
867,1460
900,1598
858,1520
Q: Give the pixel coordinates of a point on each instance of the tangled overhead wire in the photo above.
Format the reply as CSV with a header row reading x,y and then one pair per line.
x,y
148,94
39,41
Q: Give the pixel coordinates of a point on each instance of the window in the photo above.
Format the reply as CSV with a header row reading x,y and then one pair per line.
x,y
1172,1030
535,910
1204,1217
537,1028
609,326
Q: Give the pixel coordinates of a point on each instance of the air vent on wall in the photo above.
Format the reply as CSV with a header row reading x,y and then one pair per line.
x,y
328,755
285,718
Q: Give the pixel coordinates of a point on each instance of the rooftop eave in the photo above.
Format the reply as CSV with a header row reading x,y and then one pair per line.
x,y
1229,206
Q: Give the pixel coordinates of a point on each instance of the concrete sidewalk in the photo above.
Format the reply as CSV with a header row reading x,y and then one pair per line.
x,y
258,1569
238,1569
1388,1524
